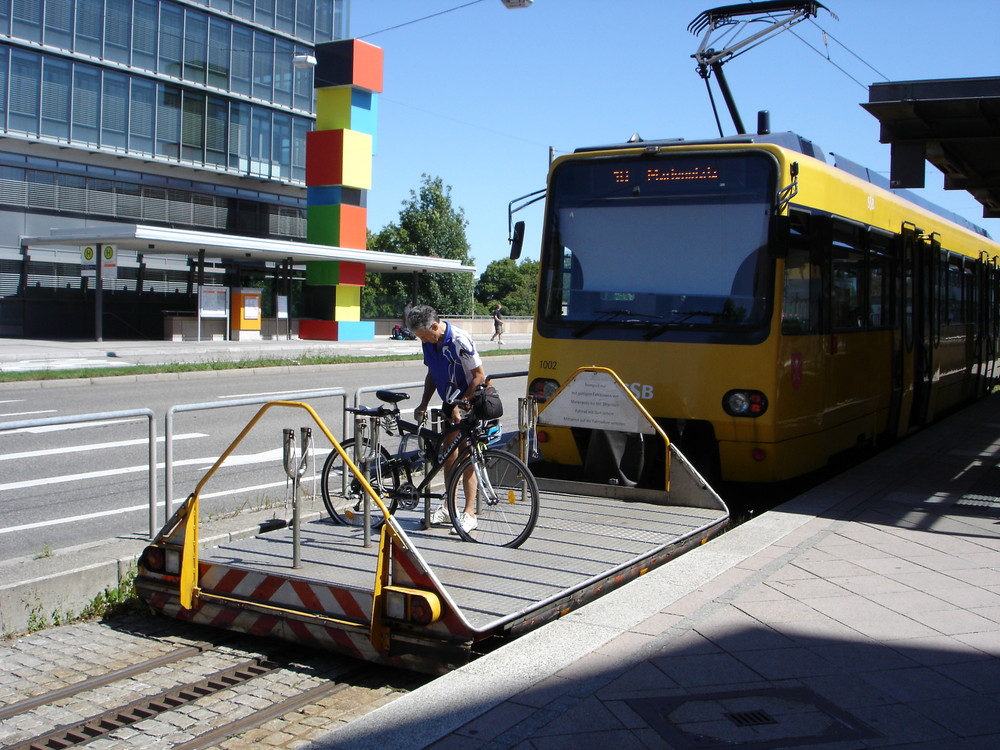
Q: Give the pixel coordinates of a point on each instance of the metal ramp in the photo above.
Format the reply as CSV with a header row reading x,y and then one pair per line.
x,y
423,598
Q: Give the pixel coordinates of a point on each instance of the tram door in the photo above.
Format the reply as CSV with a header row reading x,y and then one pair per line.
x,y
921,254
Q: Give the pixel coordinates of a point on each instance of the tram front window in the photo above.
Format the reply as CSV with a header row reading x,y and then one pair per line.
x,y
630,254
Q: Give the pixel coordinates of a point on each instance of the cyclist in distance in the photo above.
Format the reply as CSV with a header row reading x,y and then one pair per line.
x,y
454,370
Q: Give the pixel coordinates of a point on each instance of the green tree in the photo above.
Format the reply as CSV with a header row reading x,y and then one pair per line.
x,y
429,225
512,285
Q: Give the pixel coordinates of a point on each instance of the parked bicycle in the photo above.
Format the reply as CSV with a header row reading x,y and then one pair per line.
x,y
507,499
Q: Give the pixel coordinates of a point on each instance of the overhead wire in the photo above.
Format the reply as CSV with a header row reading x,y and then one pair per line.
x,y
418,20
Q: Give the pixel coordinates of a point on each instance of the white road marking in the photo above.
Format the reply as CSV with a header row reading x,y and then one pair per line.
x,y
73,426
130,509
253,458
93,447
26,413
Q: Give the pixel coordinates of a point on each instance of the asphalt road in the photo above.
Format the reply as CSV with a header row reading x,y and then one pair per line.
x,y
67,485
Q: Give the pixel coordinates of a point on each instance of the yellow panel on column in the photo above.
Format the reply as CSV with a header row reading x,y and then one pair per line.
x,y
348,303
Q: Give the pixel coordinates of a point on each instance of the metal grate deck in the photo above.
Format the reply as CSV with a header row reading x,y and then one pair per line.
x,y
577,539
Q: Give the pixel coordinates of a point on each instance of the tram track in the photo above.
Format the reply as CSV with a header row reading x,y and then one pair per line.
x,y
200,696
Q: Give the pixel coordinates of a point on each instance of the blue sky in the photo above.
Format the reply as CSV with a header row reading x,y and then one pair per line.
x,y
477,96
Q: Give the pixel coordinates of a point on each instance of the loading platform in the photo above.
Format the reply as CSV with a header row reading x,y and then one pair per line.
x,y
582,547
424,599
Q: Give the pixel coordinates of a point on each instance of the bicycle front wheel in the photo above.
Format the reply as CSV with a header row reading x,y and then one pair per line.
x,y
506,498
343,494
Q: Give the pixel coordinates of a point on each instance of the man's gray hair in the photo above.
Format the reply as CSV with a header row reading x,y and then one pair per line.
x,y
421,317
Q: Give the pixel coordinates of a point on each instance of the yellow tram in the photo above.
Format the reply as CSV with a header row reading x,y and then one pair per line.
x,y
771,310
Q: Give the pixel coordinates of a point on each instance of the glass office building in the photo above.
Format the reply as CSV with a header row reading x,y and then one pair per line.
x,y
181,113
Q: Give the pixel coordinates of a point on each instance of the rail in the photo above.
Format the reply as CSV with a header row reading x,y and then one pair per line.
x,y
168,448
106,416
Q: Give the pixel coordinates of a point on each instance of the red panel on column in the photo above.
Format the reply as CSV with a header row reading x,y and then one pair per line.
x,y
318,330
352,274
325,157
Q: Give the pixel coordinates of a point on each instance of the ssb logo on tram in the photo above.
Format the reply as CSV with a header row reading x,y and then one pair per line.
x,y
641,391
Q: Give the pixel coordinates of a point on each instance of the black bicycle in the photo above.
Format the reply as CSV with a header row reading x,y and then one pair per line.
x,y
507,499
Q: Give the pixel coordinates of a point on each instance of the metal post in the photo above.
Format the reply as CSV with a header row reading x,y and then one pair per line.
x,y
99,297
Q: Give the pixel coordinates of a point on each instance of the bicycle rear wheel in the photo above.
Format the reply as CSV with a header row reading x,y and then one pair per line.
x,y
345,500
506,502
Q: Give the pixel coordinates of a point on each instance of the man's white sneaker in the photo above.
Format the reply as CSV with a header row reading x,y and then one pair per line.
x,y
469,523
441,516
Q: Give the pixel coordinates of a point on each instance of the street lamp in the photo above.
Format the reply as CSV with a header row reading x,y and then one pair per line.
x,y
514,4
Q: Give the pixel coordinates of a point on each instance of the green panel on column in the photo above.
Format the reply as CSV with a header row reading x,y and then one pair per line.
x,y
323,226
323,273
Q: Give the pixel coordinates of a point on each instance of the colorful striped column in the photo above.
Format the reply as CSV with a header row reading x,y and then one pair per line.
x,y
348,79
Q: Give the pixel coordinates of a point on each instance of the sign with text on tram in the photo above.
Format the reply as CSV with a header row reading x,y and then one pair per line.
x,y
595,400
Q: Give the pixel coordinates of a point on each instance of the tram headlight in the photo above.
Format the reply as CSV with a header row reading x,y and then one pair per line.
x,y
744,403
542,389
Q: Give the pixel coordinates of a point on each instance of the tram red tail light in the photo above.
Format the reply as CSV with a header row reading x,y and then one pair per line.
x,y
542,389
744,403
412,605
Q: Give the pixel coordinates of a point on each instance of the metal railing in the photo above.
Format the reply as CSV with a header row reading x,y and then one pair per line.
x,y
168,458
106,416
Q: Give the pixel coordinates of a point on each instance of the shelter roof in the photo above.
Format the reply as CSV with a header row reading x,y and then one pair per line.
x,y
149,239
952,123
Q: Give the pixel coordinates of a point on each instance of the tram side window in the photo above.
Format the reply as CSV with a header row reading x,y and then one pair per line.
x,y
882,272
800,301
847,297
954,311
848,283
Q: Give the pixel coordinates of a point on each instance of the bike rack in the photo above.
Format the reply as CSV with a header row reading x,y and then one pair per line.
x,y
402,387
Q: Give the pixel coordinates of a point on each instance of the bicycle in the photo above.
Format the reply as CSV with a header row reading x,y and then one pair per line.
x,y
507,498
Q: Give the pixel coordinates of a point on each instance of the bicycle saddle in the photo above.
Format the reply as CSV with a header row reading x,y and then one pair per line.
x,y
391,397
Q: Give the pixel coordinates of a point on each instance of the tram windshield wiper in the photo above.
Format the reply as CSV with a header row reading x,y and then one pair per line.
x,y
682,317
609,316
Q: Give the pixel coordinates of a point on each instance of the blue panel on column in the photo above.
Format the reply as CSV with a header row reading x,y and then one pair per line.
x,y
355,330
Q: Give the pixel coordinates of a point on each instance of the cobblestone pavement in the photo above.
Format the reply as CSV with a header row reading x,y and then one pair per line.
x,y
58,658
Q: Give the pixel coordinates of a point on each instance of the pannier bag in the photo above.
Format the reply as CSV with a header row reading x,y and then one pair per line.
x,y
486,402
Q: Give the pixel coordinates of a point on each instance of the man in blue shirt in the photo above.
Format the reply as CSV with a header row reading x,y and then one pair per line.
x,y
454,370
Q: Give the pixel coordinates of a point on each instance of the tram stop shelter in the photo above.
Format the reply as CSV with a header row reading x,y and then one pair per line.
x,y
952,123
322,262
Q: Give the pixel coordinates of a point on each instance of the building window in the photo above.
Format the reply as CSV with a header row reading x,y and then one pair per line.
x,y
117,25
141,116
263,65
215,131
168,121
86,99
59,23
219,42
27,20
25,75
56,77
89,26
195,46
193,127
144,35
114,115
239,137
170,36
242,53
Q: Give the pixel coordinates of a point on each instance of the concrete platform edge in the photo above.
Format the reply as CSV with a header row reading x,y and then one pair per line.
x,y
472,690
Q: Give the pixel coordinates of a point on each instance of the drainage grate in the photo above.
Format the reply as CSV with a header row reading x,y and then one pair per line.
x,y
750,720
757,718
